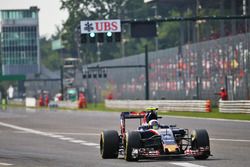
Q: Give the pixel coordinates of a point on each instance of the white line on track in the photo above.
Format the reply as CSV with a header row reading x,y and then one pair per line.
x,y
212,119
62,133
90,144
230,140
66,138
186,164
5,164
77,134
72,140
77,141
56,136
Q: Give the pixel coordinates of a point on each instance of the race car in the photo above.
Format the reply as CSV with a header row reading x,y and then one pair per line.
x,y
153,140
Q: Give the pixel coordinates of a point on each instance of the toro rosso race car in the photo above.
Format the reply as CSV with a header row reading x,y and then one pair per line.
x,y
152,140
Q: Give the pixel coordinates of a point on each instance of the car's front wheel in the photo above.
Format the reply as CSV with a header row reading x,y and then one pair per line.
x,y
132,145
200,141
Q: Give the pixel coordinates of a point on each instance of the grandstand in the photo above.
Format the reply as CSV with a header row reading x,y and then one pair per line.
x,y
212,54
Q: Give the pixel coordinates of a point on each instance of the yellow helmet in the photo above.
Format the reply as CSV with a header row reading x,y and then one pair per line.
x,y
151,109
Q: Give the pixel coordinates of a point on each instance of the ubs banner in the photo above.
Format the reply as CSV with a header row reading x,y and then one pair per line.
x,y
100,26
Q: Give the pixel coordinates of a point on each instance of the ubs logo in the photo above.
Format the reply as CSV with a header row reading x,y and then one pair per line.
x,y
88,27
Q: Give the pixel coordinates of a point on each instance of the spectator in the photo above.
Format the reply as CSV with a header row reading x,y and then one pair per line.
x,y
58,97
223,94
110,96
10,92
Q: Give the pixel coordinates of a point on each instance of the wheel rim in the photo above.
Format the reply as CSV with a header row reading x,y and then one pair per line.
x,y
102,144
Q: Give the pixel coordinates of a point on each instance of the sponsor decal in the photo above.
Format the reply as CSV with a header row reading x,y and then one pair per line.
x,y
100,26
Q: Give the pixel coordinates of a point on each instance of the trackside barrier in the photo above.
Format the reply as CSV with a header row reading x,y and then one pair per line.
x,y
234,106
163,105
67,104
19,102
30,102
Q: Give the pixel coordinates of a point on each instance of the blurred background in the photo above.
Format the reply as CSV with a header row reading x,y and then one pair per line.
x,y
189,59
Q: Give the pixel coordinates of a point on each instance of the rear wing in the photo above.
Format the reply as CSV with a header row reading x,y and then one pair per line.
x,y
132,115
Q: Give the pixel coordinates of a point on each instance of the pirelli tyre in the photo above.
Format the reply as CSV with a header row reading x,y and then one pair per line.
x,y
200,141
132,145
109,144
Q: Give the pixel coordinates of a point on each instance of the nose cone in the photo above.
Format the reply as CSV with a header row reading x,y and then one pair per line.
x,y
171,148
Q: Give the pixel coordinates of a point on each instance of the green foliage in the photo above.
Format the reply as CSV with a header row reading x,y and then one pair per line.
x,y
171,31
103,9
168,32
51,59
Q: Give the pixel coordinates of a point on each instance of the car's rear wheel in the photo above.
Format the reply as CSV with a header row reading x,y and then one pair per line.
x,y
132,145
109,144
200,140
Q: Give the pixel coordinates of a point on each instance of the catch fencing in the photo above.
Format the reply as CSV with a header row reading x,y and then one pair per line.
x,y
193,71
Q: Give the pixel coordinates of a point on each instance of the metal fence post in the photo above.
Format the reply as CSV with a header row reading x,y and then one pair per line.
x,y
146,74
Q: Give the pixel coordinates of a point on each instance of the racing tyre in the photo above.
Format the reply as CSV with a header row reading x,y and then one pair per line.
x,y
109,144
200,139
133,141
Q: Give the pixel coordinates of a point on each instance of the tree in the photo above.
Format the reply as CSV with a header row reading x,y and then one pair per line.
x,y
49,57
100,9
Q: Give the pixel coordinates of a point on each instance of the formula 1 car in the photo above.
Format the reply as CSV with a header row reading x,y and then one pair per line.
x,y
152,140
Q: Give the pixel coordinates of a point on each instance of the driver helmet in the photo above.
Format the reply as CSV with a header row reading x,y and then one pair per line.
x,y
154,124
151,109
151,114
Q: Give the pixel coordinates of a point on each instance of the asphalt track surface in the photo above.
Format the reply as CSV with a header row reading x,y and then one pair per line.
x,y
41,138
